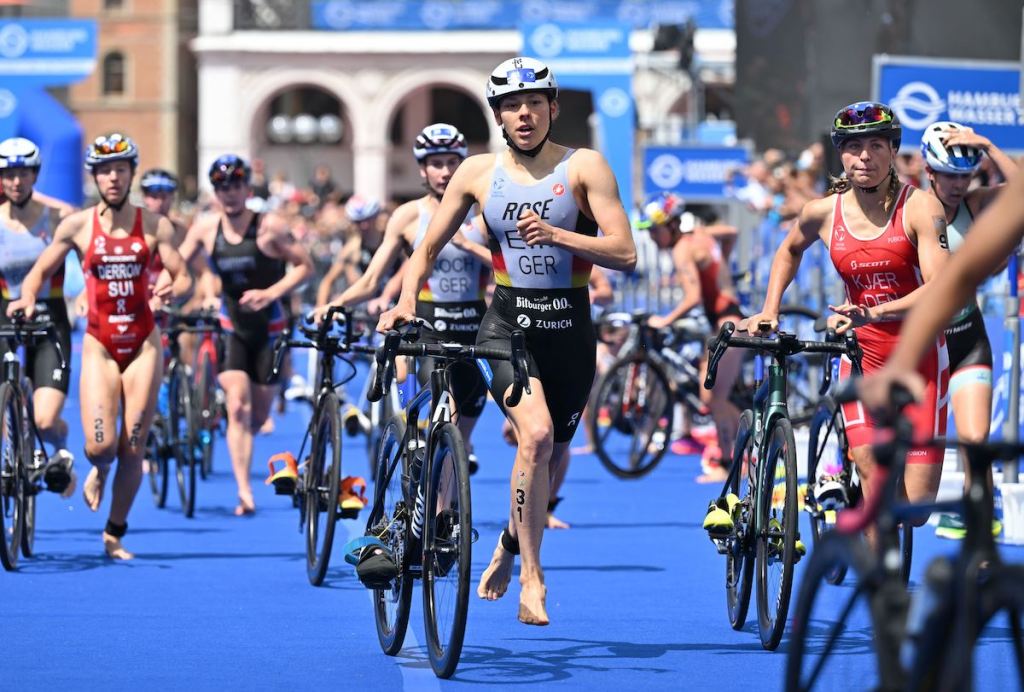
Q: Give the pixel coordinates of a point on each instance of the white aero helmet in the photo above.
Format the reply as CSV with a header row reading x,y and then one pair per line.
x,y
957,159
439,138
360,208
517,75
18,152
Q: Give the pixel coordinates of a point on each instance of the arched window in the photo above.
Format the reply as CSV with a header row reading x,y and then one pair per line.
x,y
112,4
113,74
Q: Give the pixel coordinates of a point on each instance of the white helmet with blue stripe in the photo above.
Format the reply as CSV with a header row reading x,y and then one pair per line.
x,y
18,152
439,138
517,75
957,159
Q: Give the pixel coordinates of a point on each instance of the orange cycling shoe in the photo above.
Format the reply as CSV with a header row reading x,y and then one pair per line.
x,y
352,496
284,481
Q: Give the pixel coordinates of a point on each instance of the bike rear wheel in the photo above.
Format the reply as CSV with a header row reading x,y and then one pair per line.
x,y
826,445
12,477
206,411
182,437
631,419
447,550
829,622
322,481
776,541
390,522
740,549
159,463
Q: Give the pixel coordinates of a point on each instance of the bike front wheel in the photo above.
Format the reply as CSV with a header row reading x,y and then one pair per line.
x,y
826,446
739,548
12,477
447,550
183,438
206,411
322,480
776,541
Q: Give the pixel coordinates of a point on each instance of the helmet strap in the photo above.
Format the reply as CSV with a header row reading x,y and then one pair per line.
x,y
23,203
532,153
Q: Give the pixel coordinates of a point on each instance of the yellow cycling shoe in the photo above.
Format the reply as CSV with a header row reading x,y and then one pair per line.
x,y
718,522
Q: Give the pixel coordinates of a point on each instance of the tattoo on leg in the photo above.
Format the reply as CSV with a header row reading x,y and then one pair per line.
x,y
98,430
133,439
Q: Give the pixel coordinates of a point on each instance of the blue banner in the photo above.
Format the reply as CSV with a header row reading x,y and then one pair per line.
x,y
595,57
697,173
47,51
421,15
983,95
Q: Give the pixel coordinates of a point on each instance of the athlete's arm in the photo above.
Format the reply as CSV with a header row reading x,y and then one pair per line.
x,y
479,251
996,234
392,289
366,285
194,239
686,272
614,247
725,235
179,285
51,259
787,260
62,208
281,245
459,197
323,291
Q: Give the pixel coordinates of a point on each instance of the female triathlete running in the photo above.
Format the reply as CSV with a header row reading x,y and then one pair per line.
x,y
542,204
122,361
451,300
26,227
704,276
259,263
886,240
952,153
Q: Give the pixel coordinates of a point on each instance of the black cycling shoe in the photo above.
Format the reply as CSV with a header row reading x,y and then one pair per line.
x,y
376,568
473,465
57,472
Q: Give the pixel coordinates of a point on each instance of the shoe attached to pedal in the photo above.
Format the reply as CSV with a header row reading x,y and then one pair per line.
x,y
355,421
286,479
375,566
776,542
59,473
830,493
719,521
352,497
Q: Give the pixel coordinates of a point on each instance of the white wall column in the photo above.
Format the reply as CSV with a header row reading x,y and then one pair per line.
x,y
220,92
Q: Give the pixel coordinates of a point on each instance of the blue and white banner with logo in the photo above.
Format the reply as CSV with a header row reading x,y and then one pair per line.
x,y
420,15
595,56
700,174
40,53
46,51
984,95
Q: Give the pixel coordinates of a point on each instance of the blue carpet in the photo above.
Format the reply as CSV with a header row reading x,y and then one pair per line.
x,y
636,594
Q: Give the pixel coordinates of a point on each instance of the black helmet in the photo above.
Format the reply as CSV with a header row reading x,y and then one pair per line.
x,y
864,119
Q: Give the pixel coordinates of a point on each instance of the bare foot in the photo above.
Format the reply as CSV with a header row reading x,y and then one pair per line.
x,y
114,548
715,474
495,579
532,610
556,523
92,489
246,505
268,426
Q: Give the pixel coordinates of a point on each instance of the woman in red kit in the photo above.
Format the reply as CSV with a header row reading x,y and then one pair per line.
x,y
886,240
122,361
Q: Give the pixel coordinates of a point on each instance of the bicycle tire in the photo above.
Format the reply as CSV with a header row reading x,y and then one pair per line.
x,y
906,551
854,557
826,430
322,480
12,488
773,601
653,386
183,438
390,521
740,550
206,399
1003,591
385,412
159,468
445,648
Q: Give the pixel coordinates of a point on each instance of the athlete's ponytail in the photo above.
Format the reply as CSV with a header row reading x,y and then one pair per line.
x,y
837,185
893,190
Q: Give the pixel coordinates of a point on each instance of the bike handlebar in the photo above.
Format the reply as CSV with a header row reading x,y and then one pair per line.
x,y
21,331
394,346
318,335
